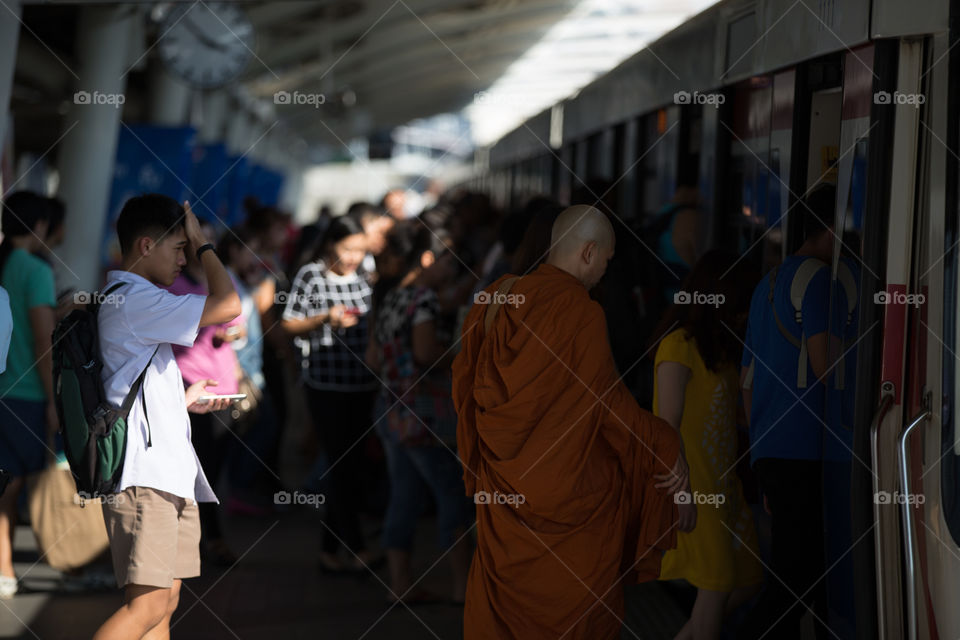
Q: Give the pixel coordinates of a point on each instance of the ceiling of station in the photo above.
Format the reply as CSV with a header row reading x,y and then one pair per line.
x,y
377,63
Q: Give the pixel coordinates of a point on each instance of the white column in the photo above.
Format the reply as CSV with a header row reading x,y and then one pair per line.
x,y
88,151
9,34
169,98
213,110
238,129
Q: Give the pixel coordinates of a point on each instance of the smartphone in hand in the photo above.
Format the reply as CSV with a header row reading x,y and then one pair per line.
x,y
232,397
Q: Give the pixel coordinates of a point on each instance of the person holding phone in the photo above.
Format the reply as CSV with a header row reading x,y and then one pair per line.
x,y
153,523
211,356
327,313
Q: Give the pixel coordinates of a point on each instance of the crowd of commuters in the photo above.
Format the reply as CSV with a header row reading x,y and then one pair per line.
x,y
420,400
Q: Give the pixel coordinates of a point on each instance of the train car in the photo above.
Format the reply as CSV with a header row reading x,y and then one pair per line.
x,y
766,98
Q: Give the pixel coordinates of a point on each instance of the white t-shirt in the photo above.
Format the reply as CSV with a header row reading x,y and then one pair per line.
x,y
6,328
145,318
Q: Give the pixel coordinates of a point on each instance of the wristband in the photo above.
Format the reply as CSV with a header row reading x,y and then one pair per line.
x,y
203,248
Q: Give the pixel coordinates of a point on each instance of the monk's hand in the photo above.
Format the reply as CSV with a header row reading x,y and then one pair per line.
x,y
687,520
678,479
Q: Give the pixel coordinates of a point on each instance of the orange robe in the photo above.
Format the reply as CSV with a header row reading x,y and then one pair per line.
x,y
545,425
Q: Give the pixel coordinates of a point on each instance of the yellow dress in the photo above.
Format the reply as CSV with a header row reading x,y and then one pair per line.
x,y
720,554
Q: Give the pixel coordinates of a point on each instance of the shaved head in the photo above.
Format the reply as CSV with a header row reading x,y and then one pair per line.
x,y
577,225
581,243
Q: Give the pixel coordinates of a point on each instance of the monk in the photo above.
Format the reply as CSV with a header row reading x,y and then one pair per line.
x,y
572,481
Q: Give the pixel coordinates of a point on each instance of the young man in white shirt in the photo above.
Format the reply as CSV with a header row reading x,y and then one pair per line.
x,y
153,522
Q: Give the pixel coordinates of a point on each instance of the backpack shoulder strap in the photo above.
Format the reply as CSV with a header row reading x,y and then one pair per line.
x,y
495,304
801,280
849,284
132,395
798,289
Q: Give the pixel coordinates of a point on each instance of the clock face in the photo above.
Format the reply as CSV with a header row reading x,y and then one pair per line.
x,y
206,44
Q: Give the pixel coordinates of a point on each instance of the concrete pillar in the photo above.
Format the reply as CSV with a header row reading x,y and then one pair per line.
x,y
169,98
238,129
9,34
88,151
213,109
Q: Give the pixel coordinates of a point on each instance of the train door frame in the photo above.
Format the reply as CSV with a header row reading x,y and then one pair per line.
x,y
873,398
948,470
903,157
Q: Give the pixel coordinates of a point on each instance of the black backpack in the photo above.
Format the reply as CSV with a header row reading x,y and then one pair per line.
x,y
94,433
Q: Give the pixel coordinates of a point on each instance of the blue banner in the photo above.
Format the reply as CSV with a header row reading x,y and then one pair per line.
x,y
150,159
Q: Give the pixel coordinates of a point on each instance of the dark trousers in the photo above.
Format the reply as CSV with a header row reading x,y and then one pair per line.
x,y
209,436
342,419
794,492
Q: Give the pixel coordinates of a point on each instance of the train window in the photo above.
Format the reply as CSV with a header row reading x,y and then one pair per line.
x,y
626,170
752,227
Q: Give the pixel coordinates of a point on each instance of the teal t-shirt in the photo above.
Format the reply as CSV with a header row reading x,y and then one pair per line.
x,y
29,282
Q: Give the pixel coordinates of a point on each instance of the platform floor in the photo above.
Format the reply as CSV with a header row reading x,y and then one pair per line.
x,y
275,592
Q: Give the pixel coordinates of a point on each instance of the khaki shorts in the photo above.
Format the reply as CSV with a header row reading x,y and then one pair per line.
x,y
154,536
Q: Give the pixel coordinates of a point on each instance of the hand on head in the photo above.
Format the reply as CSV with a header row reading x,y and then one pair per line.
x,y
192,228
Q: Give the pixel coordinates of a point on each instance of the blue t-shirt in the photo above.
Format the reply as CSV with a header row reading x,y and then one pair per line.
x,y
781,427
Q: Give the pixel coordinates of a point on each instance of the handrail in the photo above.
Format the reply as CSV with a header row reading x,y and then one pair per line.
x,y
906,506
886,401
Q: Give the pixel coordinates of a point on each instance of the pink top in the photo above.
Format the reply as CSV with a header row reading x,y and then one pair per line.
x,y
203,359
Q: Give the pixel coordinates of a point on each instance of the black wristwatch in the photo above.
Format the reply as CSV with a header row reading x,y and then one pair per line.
x,y
202,249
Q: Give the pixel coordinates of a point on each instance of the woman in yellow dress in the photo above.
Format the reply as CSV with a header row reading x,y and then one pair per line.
x,y
696,390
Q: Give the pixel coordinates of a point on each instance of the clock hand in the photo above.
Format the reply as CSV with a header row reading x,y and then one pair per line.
x,y
201,36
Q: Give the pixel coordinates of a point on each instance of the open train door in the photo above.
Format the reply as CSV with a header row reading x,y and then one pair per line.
x,y
915,553
928,443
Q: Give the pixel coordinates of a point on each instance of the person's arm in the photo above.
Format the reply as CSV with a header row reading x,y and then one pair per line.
x,y
817,350
42,321
265,295
223,303
427,350
686,235
815,315
747,393
672,379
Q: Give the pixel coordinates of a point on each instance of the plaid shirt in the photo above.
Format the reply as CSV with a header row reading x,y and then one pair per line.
x,y
331,359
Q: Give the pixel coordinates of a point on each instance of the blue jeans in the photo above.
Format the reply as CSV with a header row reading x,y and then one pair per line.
x,y
414,470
